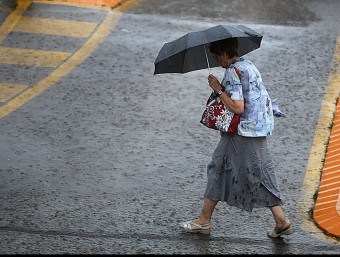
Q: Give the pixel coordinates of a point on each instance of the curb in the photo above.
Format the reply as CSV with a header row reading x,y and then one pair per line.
x,y
327,206
326,213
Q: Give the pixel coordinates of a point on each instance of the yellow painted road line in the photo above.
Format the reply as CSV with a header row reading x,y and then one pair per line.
x,y
319,146
73,61
102,4
119,5
64,2
8,91
31,57
55,27
127,5
12,19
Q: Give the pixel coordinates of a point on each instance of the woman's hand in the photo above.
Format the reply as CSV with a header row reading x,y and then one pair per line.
x,y
236,106
214,83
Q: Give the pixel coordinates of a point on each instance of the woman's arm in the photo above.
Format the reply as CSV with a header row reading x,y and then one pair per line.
x,y
236,106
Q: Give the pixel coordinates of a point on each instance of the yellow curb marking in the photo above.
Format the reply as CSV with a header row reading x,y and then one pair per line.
x,y
100,33
30,57
55,27
10,90
321,137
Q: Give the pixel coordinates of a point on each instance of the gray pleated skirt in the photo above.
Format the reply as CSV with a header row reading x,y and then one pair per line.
x,y
241,173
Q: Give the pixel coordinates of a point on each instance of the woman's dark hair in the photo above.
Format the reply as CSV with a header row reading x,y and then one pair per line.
x,y
229,46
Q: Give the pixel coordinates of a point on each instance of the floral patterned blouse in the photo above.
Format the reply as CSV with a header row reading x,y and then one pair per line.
x,y
257,119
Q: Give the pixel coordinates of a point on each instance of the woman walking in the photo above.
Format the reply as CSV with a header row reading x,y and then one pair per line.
x,y
241,172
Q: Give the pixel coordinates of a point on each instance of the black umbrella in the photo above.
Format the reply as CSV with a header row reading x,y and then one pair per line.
x,y
190,52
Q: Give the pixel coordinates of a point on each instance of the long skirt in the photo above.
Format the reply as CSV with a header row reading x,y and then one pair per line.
x,y
241,173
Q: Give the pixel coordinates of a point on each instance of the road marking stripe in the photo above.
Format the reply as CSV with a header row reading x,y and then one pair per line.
x,y
84,3
329,222
329,197
31,57
329,192
331,169
322,212
335,150
335,158
62,2
332,185
55,27
328,178
73,61
127,5
333,228
10,90
335,137
330,173
331,162
326,215
337,129
323,203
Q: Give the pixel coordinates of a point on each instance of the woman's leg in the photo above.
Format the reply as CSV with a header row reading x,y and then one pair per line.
x,y
206,212
202,224
282,223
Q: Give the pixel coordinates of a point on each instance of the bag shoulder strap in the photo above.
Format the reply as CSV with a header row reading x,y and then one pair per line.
x,y
237,72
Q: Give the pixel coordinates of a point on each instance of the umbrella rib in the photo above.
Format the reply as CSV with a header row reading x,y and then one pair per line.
x,y
206,56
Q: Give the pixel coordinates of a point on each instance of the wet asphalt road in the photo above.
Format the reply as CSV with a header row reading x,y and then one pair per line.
x,y
101,162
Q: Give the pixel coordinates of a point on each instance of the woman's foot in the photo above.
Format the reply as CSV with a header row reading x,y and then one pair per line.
x,y
286,228
193,226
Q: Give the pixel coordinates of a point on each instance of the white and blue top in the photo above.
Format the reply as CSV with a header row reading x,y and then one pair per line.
x,y
257,119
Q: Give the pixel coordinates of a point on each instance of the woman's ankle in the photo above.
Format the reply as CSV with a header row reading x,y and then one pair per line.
x,y
201,221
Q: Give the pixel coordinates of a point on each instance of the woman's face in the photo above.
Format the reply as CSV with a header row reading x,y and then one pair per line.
x,y
222,59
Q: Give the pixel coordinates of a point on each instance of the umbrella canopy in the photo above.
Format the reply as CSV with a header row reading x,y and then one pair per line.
x,y
191,51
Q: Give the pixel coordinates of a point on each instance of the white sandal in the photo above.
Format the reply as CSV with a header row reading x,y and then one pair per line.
x,y
189,226
287,231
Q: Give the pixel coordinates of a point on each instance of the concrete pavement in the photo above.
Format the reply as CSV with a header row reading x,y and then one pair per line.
x,y
325,212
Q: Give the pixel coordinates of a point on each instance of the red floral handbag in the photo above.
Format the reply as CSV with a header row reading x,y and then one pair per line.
x,y
217,116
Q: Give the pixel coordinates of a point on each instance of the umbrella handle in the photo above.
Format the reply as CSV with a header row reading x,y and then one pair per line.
x,y
206,56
